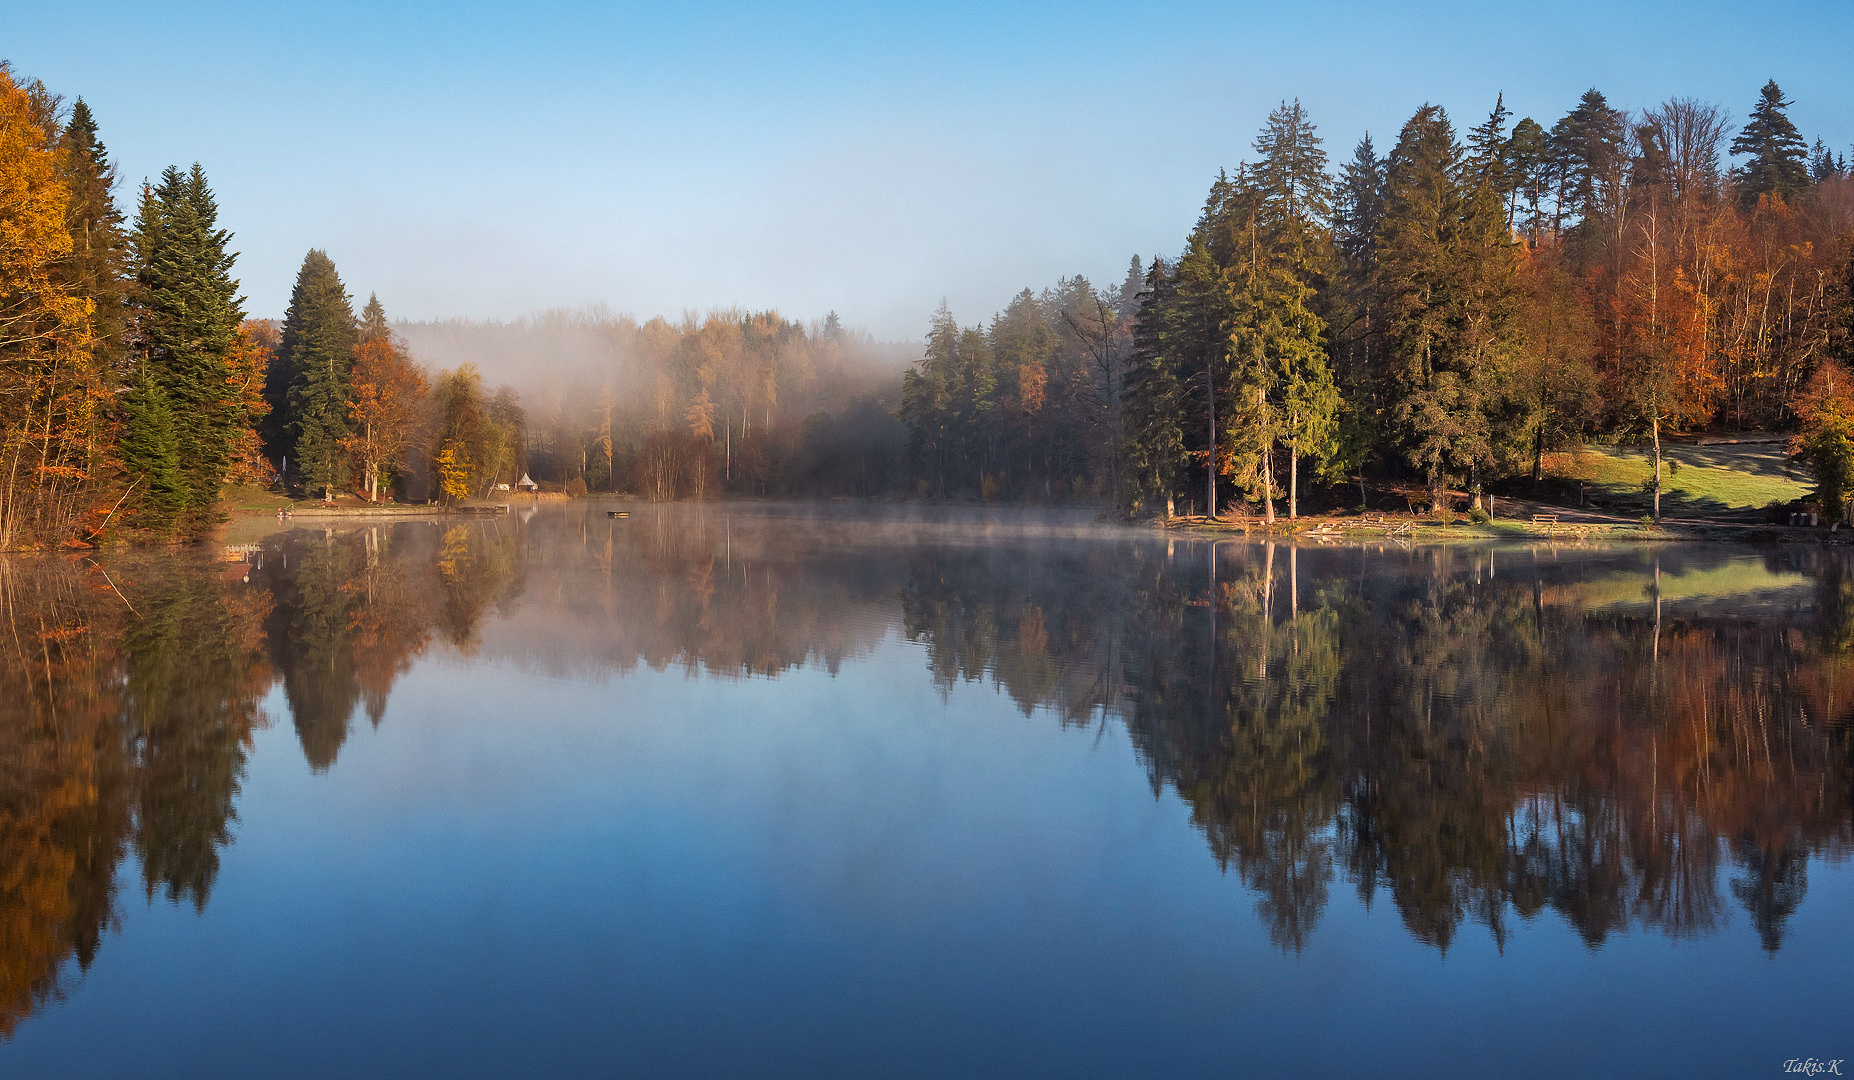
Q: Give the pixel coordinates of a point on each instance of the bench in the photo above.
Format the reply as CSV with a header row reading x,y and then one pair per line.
x,y
1544,519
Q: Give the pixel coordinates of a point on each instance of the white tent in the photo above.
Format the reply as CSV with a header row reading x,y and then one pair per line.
x,y
527,484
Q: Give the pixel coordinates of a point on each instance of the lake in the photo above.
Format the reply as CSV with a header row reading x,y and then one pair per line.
x,y
779,790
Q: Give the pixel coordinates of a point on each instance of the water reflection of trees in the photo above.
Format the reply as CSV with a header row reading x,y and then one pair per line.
x,y
120,731
1480,743
129,698
1464,736
354,608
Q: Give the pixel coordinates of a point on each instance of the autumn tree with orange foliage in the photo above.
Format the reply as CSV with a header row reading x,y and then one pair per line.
x,y
247,366
388,397
51,393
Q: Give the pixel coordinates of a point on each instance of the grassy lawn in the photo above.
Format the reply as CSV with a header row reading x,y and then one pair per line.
x,y
1695,480
241,499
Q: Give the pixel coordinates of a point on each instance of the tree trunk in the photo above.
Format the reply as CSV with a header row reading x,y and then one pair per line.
x,y
1538,451
1268,484
1210,459
1655,426
1294,480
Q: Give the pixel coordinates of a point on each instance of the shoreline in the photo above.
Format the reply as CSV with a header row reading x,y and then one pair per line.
x,y
1420,531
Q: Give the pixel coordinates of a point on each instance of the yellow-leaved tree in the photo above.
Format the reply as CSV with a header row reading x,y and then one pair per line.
x,y
50,397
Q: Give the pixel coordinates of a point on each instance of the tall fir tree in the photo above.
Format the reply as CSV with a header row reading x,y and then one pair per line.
x,y
1153,402
1284,398
1779,162
317,354
98,266
188,311
1528,170
1588,146
1448,286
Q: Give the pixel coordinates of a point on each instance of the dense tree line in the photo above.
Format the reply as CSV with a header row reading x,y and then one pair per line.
x,y
133,387
127,375
1445,313
732,401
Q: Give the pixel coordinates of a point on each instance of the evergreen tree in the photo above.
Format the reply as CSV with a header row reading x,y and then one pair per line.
x,y
1152,402
1588,147
1356,325
1447,283
1360,204
150,455
927,391
188,312
373,324
1488,147
1126,303
1023,352
1528,170
1285,395
98,266
1779,157
317,355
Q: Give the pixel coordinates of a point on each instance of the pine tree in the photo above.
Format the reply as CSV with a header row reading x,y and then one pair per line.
x,y
1528,169
1153,402
1587,149
1488,148
98,266
1284,395
373,324
150,455
1360,204
927,391
317,355
1779,156
1356,324
188,313
1126,302
1447,282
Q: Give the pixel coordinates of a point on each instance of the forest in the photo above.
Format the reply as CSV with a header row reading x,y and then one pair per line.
x,y
1439,317
134,386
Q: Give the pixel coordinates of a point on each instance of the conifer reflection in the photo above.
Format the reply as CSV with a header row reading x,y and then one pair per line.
x,y
127,705
129,697
1481,743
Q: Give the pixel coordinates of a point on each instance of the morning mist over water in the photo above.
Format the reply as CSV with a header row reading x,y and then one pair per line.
x,y
765,794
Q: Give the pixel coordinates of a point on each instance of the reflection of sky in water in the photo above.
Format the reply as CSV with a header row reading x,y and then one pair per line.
x,y
565,848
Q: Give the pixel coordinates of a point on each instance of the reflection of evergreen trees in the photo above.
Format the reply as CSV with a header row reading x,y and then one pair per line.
x,y
194,663
353,609
120,730
128,704
1479,743
1473,740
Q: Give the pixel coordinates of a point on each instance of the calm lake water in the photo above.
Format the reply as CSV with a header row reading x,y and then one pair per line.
x,y
802,791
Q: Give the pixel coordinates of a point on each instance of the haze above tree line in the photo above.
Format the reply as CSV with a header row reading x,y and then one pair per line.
x,y
1441,314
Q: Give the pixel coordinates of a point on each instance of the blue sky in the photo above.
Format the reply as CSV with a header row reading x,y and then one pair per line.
x,y
492,160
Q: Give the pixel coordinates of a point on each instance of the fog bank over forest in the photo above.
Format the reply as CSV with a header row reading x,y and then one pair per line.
x,y
612,403
598,346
